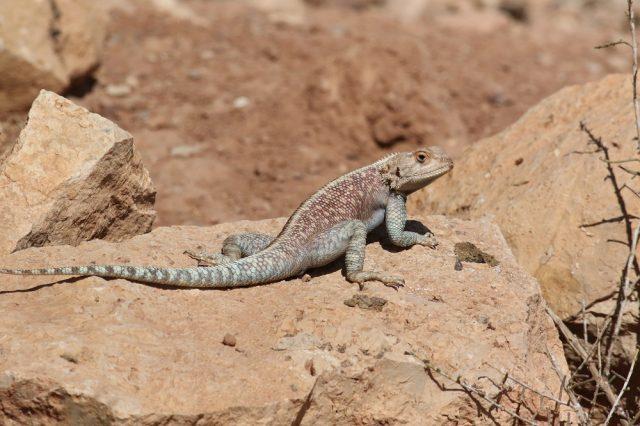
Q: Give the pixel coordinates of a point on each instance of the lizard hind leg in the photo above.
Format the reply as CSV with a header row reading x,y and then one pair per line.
x,y
234,247
354,259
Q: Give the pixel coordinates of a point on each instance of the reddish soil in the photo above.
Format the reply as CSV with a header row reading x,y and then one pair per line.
x,y
245,116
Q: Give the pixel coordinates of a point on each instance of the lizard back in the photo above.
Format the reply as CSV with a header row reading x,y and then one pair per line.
x,y
357,195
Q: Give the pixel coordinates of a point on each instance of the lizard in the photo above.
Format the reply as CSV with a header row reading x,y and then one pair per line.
x,y
333,222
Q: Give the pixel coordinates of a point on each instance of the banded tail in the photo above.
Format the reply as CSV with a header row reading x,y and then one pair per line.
x,y
261,268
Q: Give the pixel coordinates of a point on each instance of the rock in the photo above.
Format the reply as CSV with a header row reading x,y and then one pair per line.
x,y
364,301
549,195
241,102
118,90
28,60
229,340
350,4
82,26
137,352
46,45
299,341
72,176
178,10
469,252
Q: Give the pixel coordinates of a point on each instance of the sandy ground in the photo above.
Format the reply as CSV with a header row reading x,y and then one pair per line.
x,y
241,112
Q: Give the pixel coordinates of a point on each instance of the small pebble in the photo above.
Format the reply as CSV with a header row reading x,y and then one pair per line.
x,y
118,90
195,74
458,265
310,367
366,302
207,54
240,102
229,340
69,357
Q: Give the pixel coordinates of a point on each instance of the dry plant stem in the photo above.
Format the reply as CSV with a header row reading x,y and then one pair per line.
x,y
583,418
613,44
623,287
595,348
634,48
524,385
471,389
593,369
584,321
624,293
624,387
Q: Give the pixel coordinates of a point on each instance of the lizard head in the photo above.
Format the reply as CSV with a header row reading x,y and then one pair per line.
x,y
407,172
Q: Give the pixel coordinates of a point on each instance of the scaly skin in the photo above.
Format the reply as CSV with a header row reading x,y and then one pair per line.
x,y
331,223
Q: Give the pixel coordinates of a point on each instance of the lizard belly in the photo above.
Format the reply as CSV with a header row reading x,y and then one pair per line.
x,y
332,245
375,220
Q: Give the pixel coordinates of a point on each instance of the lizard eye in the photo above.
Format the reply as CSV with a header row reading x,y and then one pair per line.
x,y
421,157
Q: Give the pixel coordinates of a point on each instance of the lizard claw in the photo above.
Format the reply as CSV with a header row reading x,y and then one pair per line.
x,y
393,281
361,277
202,258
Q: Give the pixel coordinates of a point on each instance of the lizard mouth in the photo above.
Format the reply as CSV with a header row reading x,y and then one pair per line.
x,y
435,173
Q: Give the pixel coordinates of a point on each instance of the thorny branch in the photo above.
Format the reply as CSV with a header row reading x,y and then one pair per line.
x,y
634,49
475,391
600,371
577,347
625,286
624,387
582,416
613,44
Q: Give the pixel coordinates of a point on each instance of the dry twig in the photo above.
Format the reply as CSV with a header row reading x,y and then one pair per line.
x,y
475,391
575,404
593,369
613,44
624,387
634,49
625,288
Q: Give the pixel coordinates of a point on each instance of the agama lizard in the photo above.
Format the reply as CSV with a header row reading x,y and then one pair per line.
x,y
332,222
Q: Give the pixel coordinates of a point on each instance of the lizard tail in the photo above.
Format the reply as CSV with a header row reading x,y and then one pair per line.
x,y
261,268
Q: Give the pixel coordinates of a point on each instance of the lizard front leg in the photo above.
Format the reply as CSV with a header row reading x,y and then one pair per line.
x,y
396,218
234,247
356,231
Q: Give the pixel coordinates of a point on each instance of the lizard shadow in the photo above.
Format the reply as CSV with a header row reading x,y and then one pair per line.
x,y
41,286
380,235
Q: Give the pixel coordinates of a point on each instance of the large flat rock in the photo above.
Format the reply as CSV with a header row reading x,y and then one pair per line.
x,y
72,176
91,350
45,44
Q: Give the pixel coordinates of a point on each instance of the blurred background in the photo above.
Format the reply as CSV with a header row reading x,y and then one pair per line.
x,y
241,109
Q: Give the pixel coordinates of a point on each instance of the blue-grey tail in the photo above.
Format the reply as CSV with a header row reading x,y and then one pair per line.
x,y
187,277
261,268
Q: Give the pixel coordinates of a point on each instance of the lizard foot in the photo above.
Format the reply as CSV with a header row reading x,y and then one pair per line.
x,y
393,281
205,259
429,240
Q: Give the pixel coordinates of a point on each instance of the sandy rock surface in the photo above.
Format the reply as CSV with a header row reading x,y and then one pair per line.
x,y
82,25
72,176
271,99
549,193
45,45
91,350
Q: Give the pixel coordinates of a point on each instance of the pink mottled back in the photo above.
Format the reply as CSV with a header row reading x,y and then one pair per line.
x,y
356,195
